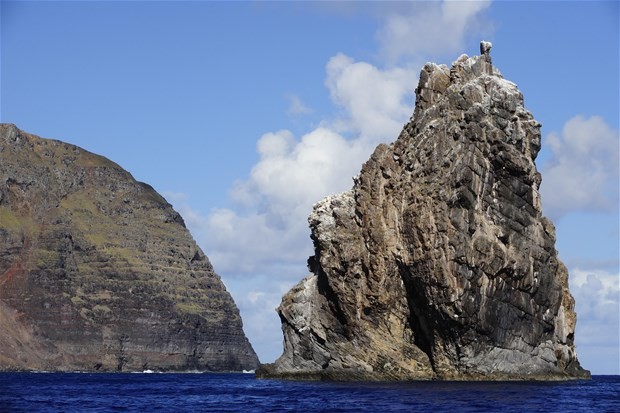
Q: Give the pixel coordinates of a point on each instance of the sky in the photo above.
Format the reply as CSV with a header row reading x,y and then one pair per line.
x,y
245,114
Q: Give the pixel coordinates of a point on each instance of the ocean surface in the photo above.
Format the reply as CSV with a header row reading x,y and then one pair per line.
x,y
125,392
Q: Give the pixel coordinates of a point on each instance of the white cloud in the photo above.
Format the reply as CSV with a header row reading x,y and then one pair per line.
x,y
377,102
597,302
597,294
255,243
296,106
583,172
321,162
431,29
290,176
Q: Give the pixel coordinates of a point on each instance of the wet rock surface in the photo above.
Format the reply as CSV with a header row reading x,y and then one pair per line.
x,y
438,264
99,273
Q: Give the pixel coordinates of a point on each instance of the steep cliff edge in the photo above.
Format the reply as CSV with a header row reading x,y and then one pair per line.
x,y
98,272
438,264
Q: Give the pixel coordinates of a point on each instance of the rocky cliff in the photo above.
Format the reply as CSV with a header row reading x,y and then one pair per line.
x,y
438,264
98,272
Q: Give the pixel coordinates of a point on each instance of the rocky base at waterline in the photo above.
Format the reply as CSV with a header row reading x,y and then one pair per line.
x,y
99,273
438,264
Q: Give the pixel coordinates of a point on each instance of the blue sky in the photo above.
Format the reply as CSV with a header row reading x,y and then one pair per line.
x,y
244,114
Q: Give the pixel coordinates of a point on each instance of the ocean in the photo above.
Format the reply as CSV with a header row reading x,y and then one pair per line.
x,y
210,392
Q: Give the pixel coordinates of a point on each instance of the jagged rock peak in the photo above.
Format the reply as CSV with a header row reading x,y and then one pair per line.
x,y
438,263
98,272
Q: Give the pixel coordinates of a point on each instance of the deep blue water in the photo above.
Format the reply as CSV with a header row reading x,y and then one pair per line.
x,y
75,392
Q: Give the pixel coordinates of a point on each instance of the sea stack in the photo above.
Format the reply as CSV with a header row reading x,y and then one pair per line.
x,y
438,263
99,273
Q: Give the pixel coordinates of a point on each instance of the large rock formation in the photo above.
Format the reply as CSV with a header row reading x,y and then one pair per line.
x,y
438,264
98,272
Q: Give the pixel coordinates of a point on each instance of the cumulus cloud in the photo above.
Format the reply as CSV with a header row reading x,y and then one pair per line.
x,y
597,300
270,227
291,172
377,101
430,29
597,295
582,174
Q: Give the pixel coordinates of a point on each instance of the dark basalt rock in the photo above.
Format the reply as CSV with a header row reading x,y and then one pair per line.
x,y
99,273
438,264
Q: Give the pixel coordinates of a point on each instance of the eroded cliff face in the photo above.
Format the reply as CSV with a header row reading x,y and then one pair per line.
x,y
98,272
438,264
